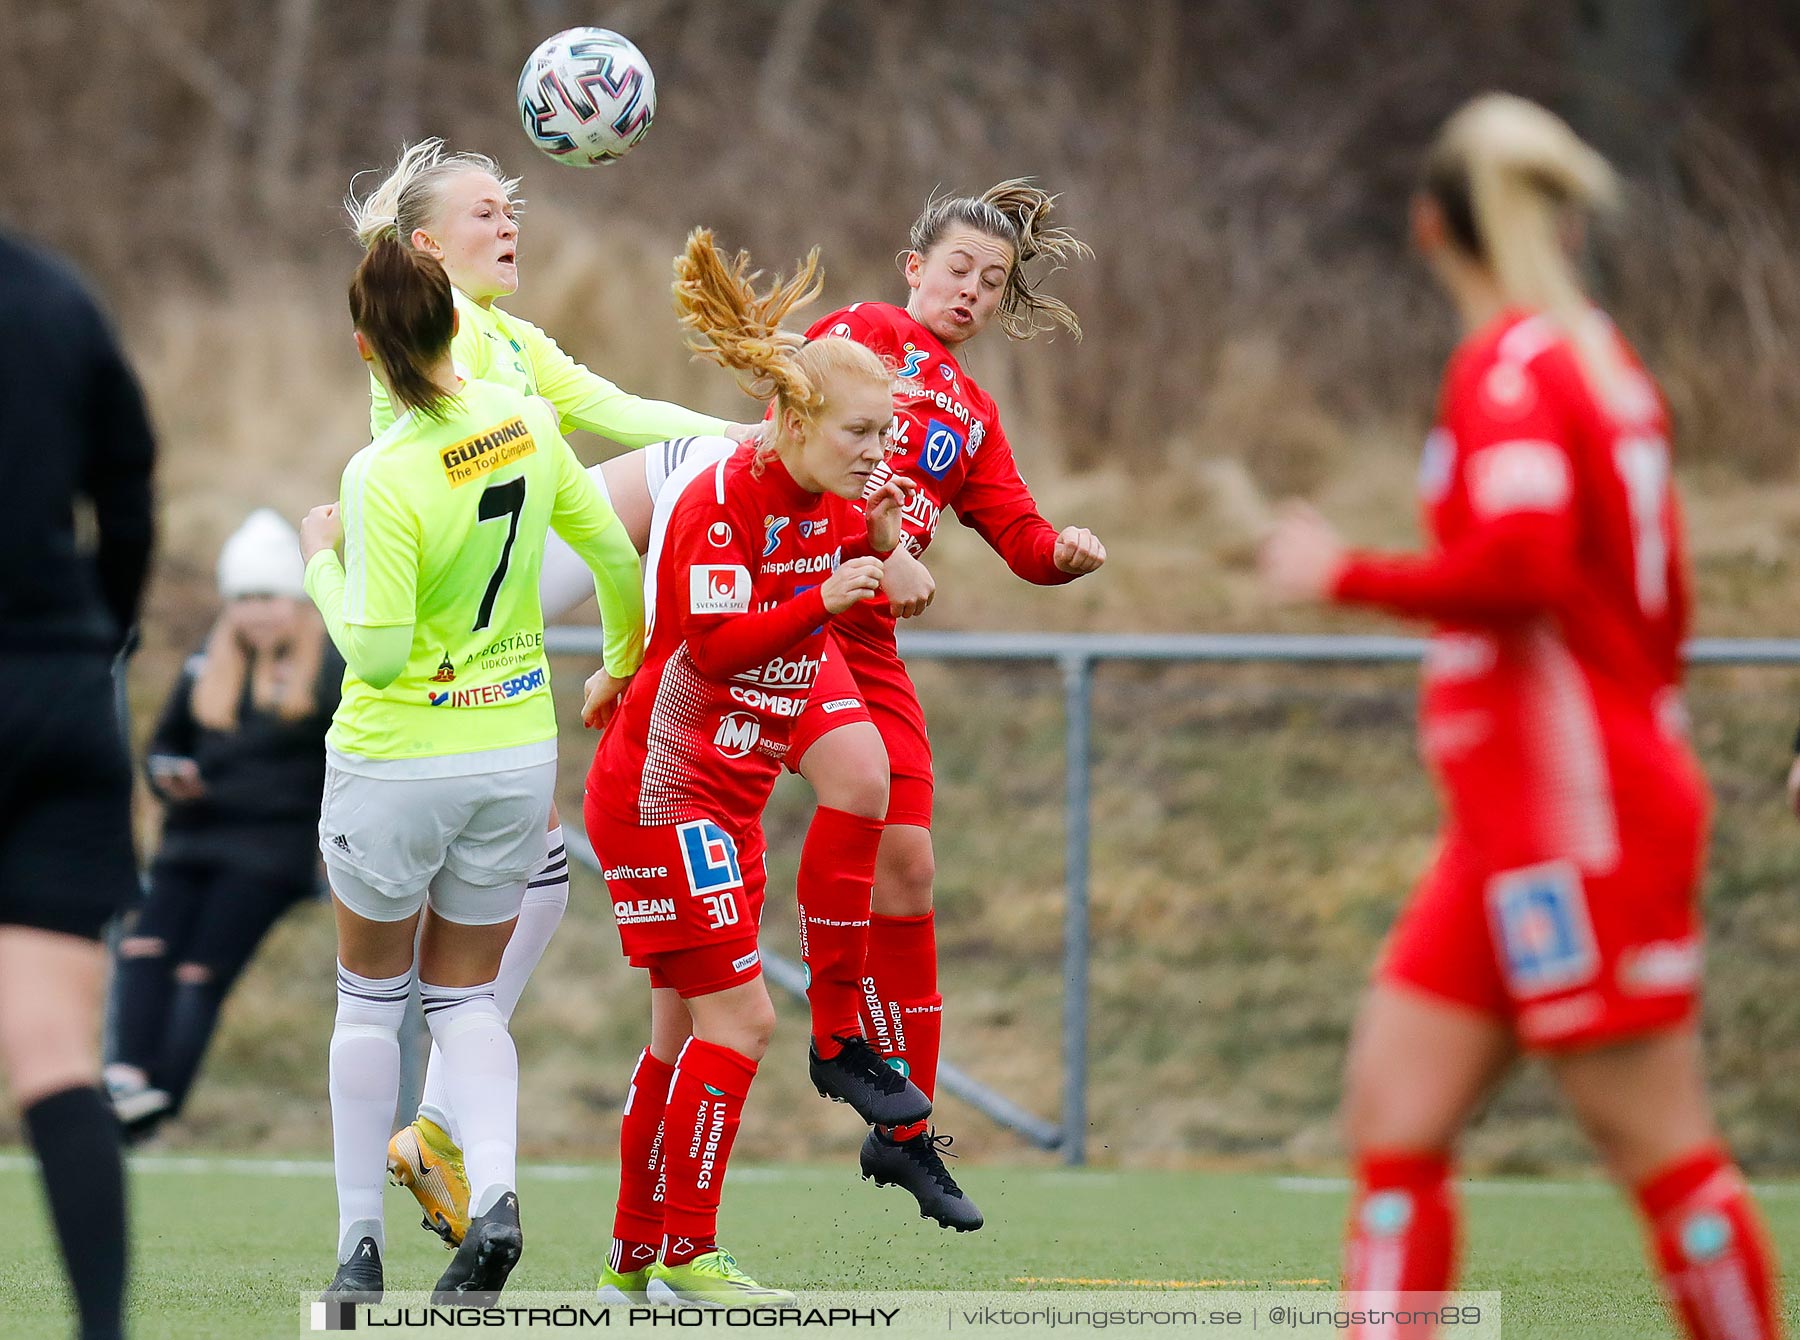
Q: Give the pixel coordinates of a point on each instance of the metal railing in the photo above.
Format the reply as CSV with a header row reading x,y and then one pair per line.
x,y
1076,655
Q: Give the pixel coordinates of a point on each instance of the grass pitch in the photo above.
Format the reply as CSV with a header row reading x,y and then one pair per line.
x,y
224,1247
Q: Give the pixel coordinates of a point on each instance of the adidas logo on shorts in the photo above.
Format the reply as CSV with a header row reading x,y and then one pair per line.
x,y
341,842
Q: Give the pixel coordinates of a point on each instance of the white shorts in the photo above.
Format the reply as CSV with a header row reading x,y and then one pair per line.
x,y
471,842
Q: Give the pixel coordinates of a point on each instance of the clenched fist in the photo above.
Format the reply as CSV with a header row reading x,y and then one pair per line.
x,y
1079,551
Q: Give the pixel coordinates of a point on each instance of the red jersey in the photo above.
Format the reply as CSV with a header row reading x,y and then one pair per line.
x,y
947,440
1556,581
737,625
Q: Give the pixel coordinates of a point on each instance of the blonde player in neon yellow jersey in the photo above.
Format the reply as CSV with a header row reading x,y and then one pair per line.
x,y
460,209
442,753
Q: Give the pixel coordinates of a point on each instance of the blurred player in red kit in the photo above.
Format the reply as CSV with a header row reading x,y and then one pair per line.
x,y
751,561
1561,913
965,266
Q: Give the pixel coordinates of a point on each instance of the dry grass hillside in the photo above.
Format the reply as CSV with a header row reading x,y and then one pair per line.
x,y
1254,328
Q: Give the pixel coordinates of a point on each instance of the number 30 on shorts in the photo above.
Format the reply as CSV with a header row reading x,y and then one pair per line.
x,y
711,860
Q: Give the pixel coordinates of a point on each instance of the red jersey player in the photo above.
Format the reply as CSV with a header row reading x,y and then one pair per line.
x,y
757,556
1561,913
965,267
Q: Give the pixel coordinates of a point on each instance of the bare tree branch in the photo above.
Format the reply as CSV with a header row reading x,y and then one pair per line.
x,y
279,138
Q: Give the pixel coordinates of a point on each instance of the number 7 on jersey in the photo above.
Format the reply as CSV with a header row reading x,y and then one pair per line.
x,y
499,500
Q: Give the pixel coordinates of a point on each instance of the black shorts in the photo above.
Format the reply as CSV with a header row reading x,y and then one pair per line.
x,y
66,860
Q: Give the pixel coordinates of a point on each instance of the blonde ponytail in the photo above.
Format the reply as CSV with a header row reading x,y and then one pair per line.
x,y
408,197
1510,176
729,324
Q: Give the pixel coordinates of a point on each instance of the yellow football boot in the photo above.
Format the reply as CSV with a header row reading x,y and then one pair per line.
x,y
425,1160
713,1279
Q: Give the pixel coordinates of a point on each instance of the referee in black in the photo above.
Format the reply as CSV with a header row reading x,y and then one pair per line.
x,y
75,455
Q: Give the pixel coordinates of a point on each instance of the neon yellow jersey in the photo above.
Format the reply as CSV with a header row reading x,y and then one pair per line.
x,y
495,346
444,528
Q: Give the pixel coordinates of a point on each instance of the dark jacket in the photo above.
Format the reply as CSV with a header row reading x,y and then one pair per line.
x,y
72,426
263,780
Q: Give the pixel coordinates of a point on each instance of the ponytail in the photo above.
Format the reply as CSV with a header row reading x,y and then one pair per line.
x,y
402,303
1017,213
1509,177
729,324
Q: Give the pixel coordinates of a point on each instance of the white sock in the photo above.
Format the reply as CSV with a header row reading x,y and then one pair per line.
x,y
546,899
365,1085
481,1073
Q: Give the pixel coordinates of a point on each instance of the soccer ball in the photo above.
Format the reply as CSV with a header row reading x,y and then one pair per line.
x,y
586,96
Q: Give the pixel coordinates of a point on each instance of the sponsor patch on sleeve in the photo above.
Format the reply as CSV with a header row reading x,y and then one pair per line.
x,y
715,588
1519,476
841,704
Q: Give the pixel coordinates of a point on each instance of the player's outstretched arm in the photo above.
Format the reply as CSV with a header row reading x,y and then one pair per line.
x,y
589,401
997,505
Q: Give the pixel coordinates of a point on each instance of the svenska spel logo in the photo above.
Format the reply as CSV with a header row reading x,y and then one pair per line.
x,y
717,588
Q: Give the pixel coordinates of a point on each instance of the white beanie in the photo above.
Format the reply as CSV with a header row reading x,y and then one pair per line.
x,y
262,558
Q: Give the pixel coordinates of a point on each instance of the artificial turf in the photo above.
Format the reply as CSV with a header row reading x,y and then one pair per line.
x,y
226,1247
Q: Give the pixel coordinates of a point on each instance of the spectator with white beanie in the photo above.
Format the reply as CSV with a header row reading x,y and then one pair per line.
x,y
238,760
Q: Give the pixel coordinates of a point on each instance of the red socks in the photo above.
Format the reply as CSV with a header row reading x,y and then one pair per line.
x,y
903,1014
706,1102
638,1221
1402,1235
837,877
1708,1240
1716,1266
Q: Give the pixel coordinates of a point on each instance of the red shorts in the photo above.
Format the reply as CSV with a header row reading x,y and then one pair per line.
x,y
1565,959
687,898
835,700
893,705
